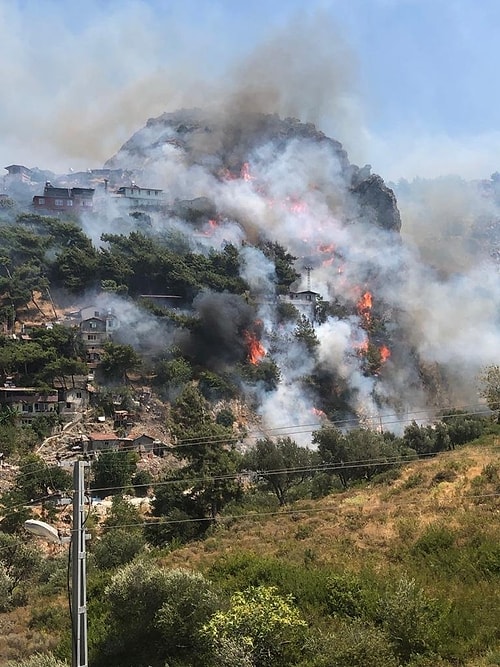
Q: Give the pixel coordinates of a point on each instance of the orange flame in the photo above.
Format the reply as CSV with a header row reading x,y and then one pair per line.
x,y
255,349
245,172
295,205
364,307
210,228
362,348
318,413
385,353
365,302
326,247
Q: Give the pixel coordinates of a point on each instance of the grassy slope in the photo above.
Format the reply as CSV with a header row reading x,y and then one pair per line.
x,y
436,521
368,523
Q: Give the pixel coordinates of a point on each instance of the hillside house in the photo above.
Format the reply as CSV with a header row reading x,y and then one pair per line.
x,y
96,328
56,199
73,402
305,302
134,196
18,174
101,441
145,444
29,402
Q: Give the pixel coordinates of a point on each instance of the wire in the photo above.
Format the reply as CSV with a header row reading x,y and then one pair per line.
x,y
190,442
281,512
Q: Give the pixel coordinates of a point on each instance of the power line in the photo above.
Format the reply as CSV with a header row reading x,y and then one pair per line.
x,y
193,442
281,512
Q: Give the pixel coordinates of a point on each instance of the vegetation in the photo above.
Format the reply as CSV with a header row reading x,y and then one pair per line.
x,y
373,550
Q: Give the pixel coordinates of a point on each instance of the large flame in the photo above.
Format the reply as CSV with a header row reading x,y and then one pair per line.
x,y
318,413
255,349
385,353
210,228
365,302
364,308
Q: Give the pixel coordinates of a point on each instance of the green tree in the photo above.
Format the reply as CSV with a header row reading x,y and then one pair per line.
x,y
463,427
283,464
117,547
75,267
118,359
422,439
189,413
304,332
190,501
155,613
113,472
36,479
332,450
283,262
19,566
489,387
264,621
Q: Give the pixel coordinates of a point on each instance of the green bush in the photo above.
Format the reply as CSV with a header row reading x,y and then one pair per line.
x,y
352,644
38,660
345,595
411,619
117,547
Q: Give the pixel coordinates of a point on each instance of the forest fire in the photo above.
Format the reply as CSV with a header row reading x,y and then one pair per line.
x,y
210,227
255,349
385,353
362,348
245,172
364,306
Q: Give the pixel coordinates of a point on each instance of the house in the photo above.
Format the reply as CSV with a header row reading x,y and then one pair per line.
x,y
29,402
305,302
145,444
102,441
73,401
64,199
18,173
135,196
96,328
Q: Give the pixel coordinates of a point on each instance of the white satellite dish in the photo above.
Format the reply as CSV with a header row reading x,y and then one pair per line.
x,y
42,529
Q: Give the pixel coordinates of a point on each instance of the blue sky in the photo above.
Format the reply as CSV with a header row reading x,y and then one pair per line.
x,y
408,86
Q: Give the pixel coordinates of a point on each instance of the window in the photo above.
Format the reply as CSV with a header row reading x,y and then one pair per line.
x,y
78,394
59,202
41,201
91,337
93,325
69,202
68,405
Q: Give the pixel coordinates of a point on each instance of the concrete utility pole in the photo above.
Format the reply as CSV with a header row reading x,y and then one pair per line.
x,y
79,650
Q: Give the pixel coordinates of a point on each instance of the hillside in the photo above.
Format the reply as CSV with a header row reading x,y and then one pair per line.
x,y
370,524
434,520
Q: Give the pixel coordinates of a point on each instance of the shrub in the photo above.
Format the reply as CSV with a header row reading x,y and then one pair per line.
x,y
117,547
344,595
39,660
411,619
353,644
